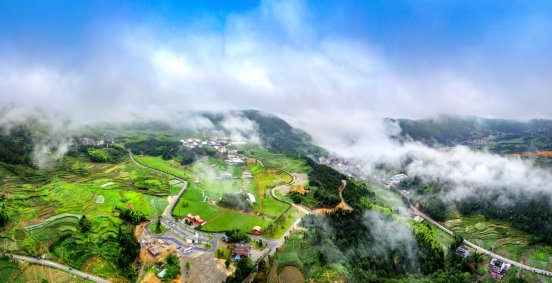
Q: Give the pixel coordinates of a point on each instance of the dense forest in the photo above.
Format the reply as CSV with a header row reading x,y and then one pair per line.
x,y
153,147
532,214
324,182
354,240
16,146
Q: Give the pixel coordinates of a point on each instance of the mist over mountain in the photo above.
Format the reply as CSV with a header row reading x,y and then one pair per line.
x,y
134,134
496,135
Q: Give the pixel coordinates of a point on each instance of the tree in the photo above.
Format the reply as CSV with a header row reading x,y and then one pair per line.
x,y
4,217
187,265
244,267
171,259
517,280
172,267
98,155
85,224
227,263
458,241
158,226
476,257
237,235
129,250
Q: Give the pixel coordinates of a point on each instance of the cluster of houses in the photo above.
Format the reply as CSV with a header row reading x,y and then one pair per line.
x,y
405,194
240,250
414,216
463,252
194,220
102,140
395,180
347,166
150,247
481,141
235,159
219,144
498,268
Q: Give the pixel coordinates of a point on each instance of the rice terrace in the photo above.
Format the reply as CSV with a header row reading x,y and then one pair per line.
x,y
275,141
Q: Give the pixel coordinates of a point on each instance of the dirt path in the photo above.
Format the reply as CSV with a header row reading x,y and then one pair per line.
x,y
343,202
343,205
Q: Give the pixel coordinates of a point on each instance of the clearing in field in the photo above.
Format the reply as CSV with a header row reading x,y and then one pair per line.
x,y
235,220
291,274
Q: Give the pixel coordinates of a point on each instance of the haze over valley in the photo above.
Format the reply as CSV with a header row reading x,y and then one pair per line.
x,y
275,141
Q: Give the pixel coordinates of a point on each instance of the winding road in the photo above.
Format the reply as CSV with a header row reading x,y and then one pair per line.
x,y
178,231
58,266
480,249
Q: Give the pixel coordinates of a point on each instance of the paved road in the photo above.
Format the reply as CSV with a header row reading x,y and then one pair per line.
x,y
60,267
480,249
177,231
178,228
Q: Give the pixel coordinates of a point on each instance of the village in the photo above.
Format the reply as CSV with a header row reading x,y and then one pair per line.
x,y
211,254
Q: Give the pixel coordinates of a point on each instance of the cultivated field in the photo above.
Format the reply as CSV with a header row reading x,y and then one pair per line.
x,y
11,272
504,240
50,204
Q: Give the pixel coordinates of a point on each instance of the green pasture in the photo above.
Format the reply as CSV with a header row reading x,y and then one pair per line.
x,y
235,220
195,205
164,166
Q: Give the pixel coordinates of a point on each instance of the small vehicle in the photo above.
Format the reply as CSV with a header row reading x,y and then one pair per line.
x,y
188,250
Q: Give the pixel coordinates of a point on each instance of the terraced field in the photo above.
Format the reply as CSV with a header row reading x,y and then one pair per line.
x,y
504,240
11,272
50,204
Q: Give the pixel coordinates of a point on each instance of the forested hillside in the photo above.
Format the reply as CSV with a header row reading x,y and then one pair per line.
x,y
275,133
501,136
16,146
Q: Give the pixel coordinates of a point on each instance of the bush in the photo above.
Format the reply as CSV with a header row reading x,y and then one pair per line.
x,y
236,236
133,216
236,201
172,266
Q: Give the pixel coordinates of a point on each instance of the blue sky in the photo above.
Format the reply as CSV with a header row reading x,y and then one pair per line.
x,y
374,58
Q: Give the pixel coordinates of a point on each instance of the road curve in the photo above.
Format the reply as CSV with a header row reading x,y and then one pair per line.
x,y
272,244
59,266
483,250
